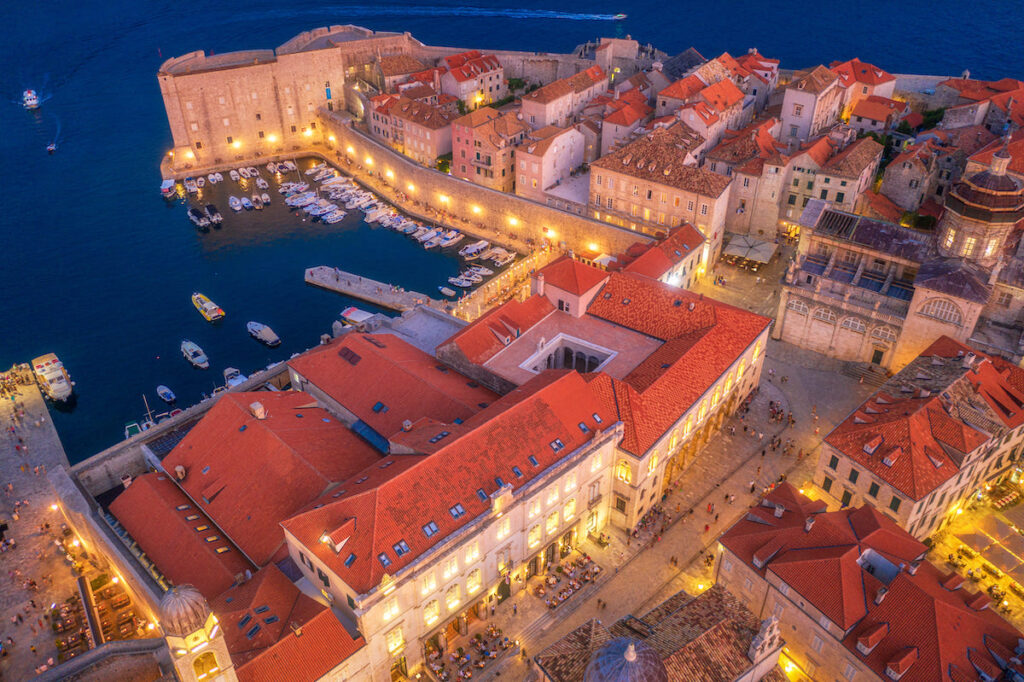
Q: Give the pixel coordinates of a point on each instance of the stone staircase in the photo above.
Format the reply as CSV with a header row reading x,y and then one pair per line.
x,y
867,373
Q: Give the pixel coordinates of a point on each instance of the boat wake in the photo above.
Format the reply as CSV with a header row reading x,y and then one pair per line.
x,y
419,11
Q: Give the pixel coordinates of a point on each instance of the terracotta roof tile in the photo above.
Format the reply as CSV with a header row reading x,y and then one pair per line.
x,y
853,160
815,80
399,64
856,71
662,256
883,207
421,113
683,89
878,108
572,276
481,340
573,84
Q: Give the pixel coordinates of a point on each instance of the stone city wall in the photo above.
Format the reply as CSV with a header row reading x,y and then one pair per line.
x,y
497,210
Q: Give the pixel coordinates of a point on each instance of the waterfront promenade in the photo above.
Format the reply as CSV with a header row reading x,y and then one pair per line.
x,y
26,455
366,289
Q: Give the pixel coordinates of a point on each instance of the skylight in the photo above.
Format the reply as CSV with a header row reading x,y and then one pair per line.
x,y
261,609
517,471
597,418
557,444
271,619
430,529
244,621
384,560
401,548
583,427
380,407
349,560
439,436
252,631
457,511
481,494
183,507
533,460
499,480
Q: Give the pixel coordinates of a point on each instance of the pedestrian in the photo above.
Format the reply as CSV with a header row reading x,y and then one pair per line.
x,y
706,528
716,518
762,452
492,610
752,486
33,648
515,609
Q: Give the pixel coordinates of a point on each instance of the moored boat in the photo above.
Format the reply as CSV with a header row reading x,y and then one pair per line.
x,y
472,251
198,218
234,377
354,316
30,99
233,174
168,189
266,199
213,214
446,291
246,204
257,202
316,169
235,204
207,308
194,354
166,394
190,186
263,334
52,378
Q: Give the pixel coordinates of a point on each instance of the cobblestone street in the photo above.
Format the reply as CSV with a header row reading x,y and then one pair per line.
x,y
36,555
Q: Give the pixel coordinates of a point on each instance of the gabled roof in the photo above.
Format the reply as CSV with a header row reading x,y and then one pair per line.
x,y
421,113
480,341
471,64
161,518
911,443
272,629
684,88
855,159
660,257
976,90
955,277
248,474
656,157
722,95
399,64
883,207
384,381
394,503
573,84
753,143
572,276
856,71
877,108
815,80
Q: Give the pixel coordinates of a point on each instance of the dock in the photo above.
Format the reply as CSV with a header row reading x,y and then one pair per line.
x,y
370,290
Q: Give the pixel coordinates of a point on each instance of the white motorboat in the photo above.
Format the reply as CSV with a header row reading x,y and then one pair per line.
x,y
253,173
190,186
52,378
30,99
243,172
257,202
316,169
212,178
354,316
262,184
451,238
432,243
168,189
198,218
200,182
194,354
263,334
334,217
272,167
300,200
246,204
220,178
504,258
235,204
213,214
446,291
266,199
233,174
460,282
471,276
412,228
233,377
473,251
426,236
480,270
166,394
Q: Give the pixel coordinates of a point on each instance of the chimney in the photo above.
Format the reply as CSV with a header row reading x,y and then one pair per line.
x,y
880,595
657,66
296,628
540,283
914,565
179,472
407,426
258,410
126,480
779,509
808,524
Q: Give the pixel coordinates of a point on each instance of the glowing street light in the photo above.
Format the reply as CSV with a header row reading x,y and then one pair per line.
x,y
368,161
330,138
476,209
236,144
513,221
350,150
190,154
53,507
308,132
389,174
411,187
272,138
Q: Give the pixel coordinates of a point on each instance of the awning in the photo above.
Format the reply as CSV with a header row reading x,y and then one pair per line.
x,y
1002,559
749,248
995,528
979,542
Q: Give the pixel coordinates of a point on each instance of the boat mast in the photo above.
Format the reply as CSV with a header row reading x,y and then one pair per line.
x,y
149,413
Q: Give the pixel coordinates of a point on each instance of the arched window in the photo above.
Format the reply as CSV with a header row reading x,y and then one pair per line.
x,y
205,665
432,612
853,324
757,350
716,396
884,334
742,367
688,427
797,306
453,597
943,309
652,465
728,382
673,441
623,472
825,315
703,411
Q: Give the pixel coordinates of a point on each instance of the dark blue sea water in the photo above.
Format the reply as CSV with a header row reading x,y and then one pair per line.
x,y
95,266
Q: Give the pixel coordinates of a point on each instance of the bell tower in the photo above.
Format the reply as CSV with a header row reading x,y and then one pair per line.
x,y
195,637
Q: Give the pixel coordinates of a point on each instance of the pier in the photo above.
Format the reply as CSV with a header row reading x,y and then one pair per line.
x,y
370,290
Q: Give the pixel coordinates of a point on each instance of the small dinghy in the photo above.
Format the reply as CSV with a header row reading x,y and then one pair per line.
x,y
166,394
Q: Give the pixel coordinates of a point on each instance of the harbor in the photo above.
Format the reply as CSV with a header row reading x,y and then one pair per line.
x,y
365,289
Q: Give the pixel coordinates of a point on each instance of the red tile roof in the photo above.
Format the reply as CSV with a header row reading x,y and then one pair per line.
x,y
749,148
877,108
660,257
387,370
722,95
249,474
273,606
480,341
908,440
1015,148
395,502
684,88
572,276
149,510
979,90
855,159
883,207
856,71
468,65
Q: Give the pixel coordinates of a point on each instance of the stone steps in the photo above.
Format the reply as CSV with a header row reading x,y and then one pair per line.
x,y
872,375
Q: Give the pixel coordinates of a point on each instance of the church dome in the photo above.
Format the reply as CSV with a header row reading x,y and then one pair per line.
x,y
625,660
184,610
990,195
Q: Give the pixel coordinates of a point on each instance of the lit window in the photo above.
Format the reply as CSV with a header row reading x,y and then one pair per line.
x,y
716,396
652,465
390,609
569,510
534,508
570,482
472,553
429,584
623,471
595,462
553,496
552,522
967,249
942,309
473,582
950,238
673,441
451,568
533,539
757,350
742,367
703,410
395,640
688,426
432,612
990,248
504,526
453,598
728,382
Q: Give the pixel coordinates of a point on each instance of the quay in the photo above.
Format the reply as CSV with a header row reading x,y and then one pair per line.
x,y
370,290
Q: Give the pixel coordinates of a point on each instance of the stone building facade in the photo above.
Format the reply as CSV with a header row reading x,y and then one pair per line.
x,y
484,144
811,104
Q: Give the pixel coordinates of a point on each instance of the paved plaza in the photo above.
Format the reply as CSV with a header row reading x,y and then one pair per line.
x,y
36,555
